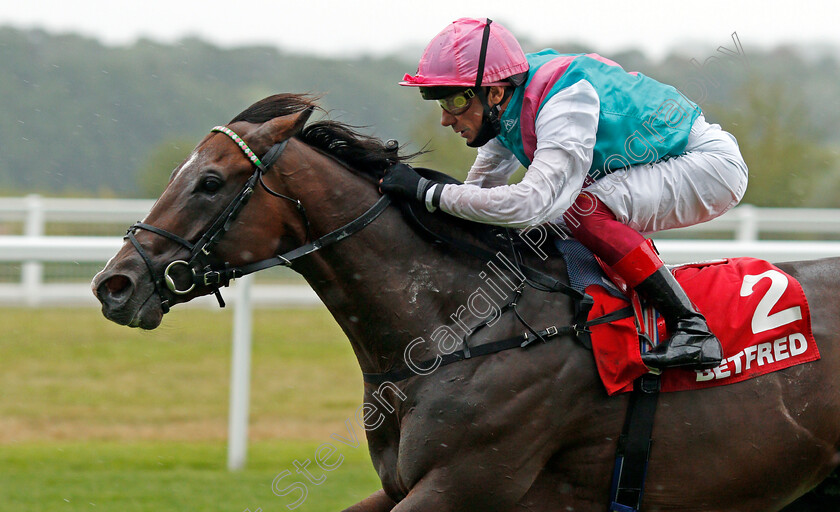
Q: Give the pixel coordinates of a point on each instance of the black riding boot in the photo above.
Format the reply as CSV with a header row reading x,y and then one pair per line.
x,y
691,344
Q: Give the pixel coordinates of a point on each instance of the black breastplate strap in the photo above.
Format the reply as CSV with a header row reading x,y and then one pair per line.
x,y
522,341
478,351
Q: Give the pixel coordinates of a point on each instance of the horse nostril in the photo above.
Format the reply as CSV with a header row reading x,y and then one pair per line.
x,y
116,288
117,284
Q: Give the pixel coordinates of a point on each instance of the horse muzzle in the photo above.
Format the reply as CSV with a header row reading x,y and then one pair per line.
x,y
127,293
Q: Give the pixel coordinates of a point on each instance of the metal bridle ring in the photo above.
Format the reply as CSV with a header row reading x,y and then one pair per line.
x,y
170,283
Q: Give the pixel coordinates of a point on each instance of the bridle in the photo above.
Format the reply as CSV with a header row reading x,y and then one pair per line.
x,y
200,264
204,273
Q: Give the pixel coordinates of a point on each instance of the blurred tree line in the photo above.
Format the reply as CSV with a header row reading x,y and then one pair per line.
x,y
86,119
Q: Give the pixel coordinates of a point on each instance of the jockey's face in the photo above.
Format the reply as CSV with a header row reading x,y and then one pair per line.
x,y
468,123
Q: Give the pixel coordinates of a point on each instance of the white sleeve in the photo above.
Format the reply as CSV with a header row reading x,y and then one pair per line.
x,y
565,130
493,166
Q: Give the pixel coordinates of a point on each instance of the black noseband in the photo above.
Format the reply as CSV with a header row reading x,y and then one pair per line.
x,y
200,266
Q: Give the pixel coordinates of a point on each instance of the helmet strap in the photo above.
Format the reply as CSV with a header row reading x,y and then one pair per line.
x,y
482,55
490,123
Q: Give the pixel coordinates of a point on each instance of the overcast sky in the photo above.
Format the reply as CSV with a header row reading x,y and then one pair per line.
x,y
378,27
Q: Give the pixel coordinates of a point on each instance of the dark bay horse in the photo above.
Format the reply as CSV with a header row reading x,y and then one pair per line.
x,y
525,429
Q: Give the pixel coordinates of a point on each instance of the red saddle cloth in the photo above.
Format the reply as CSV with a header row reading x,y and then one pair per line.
x,y
759,313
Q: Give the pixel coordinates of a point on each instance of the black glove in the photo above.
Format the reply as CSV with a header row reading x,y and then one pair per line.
x,y
402,179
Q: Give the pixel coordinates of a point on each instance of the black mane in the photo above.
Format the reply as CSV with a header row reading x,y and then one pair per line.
x,y
362,152
368,155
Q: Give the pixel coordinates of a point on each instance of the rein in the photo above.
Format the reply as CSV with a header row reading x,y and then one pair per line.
x,y
203,272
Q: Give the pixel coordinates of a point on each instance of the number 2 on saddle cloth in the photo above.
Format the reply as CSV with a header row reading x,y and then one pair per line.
x,y
759,313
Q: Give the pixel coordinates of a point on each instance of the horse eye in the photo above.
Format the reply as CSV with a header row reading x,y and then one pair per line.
x,y
211,184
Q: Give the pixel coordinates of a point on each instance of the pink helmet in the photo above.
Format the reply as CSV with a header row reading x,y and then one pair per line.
x,y
451,58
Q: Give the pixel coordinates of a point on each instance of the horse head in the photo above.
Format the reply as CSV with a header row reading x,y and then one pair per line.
x,y
204,205
307,187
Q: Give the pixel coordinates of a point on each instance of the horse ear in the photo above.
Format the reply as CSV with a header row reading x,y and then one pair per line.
x,y
282,128
301,120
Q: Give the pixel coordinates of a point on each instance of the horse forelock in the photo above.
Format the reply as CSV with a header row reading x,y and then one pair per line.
x,y
364,153
278,105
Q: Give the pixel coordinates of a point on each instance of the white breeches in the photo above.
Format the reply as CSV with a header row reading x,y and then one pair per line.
x,y
697,186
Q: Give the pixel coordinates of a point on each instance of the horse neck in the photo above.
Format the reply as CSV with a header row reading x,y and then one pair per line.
x,y
385,285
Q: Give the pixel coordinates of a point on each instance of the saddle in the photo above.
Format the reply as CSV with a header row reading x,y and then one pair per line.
x,y
759,313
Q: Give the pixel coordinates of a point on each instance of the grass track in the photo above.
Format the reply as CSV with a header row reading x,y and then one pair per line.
x,y
95,416
172,476
70,374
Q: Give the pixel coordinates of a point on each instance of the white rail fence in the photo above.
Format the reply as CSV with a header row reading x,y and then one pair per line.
x,y
741,230
32,248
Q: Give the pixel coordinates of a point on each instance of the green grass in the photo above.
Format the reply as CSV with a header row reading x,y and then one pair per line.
x,y
70,374
95,416
173,476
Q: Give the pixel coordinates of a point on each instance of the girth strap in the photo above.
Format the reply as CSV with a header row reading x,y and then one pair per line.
x,y
633,450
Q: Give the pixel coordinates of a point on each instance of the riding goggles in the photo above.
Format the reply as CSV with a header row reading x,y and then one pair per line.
x,y
457,103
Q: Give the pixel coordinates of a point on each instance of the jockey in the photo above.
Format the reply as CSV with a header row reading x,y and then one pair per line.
x,y
611,154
